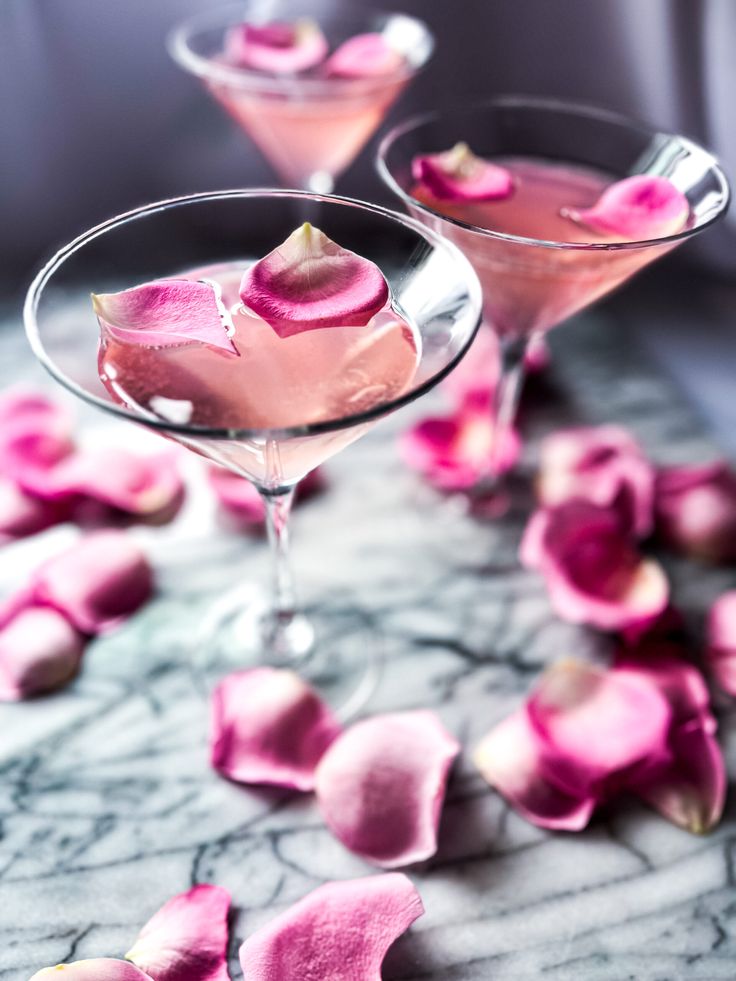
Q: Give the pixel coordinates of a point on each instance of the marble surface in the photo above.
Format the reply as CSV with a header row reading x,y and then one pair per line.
x,y
108,806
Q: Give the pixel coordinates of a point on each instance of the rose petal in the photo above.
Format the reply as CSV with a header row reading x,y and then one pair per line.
x,y
34,432
243,503
96,969
187,939
365,56
473,383
269,727
276,47
381,784
660,664
96,583
165,313
310,282
40,651
636,208
22,514
458,175
537,357
721,641
341,931
509,758
696,510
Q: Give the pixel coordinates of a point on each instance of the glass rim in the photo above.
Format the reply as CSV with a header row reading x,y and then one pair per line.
x,y
583,110
46,273
179,47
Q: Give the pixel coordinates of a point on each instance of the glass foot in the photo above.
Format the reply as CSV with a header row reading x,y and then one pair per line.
x,y
339,647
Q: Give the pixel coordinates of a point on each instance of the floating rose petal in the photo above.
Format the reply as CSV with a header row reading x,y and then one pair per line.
x,y
593,572
269,727
695,509
365,56
187,939
636,209
165,313
381,784
339,932
310,282
279,48
95,969
458,175
242,502
721,641
40,651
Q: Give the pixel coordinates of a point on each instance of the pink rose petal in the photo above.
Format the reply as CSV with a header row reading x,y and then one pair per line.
x,y
381,784
636,208
242,502
165,313
96,583
310,282
96,969
269,727
339,932
34,433
277,47
695,510
365,56
721,641
40,651
21,514
537,357
458,175
473,383
661,665
187,939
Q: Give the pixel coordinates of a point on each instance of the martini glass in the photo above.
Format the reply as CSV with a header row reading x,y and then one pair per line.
x,y
324,388
531,283
309,127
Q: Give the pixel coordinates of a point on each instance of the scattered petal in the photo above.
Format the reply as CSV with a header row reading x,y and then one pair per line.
x,y
34,433
381,785
96,969
269,727
244,505
365,56
310,282
40,651
341,931
637,208
695,510
21,514
458,175
277,47
721,641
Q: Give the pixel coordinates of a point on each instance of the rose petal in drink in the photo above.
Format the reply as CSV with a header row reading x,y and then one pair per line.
x,y
95,969
341,931
40,651
186,940
365,56
636,209
380,786
164,313
458,175
277,47
310,282
721,641
695,510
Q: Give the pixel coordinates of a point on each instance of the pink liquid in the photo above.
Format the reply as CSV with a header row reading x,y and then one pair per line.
x,y
315,376
530,288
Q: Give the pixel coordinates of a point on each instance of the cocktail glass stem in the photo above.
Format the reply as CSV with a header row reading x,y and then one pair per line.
x,y
506,398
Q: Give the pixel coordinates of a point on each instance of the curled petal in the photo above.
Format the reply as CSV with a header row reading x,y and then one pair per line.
x,y
269,727
187,939
40,651
242,502
381,785
636,208
97,583
365,56
510,759
310,282
721,641
661,665
695,510
341,931
277,47
166,313
458,175
22,514
96,969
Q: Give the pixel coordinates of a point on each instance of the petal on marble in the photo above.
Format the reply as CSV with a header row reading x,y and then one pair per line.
x,y
721,641
40,651
240,500
269,727
365,56
637,208
695,509
341,931
662,665
278,47
97,583
458,175
381,785
22,514
510,758
35,433
186,940
95,969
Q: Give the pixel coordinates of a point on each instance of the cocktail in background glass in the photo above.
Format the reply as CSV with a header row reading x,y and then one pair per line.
x,y
537,266
281,407
309,123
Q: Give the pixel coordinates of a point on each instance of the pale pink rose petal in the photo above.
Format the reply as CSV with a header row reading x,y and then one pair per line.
x,y
35,433
365,56
166,313
242,502
695,508
95,969
97,583
269,727
661,664
21,514
721,641
40,651
310,282
509,758
458,175
187,939
278,48
636,209
380,786
340,932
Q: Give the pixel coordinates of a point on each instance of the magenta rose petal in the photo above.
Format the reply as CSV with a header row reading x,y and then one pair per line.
x,y
35,433
22,514
97,583
341,931
381,785
695,510
364,56
278,48
269,727
310,282
186,940
721,641
166,313
636,208
95,969
458,175
40,651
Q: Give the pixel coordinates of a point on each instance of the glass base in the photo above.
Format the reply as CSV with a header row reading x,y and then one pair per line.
x,y
335,646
